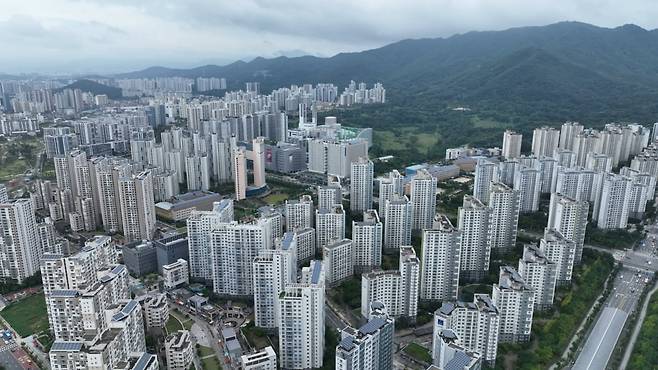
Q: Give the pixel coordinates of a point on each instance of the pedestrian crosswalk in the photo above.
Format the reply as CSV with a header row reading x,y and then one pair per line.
x,y
8,347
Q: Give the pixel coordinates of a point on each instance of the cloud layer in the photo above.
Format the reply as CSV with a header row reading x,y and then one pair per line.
x,y
82,36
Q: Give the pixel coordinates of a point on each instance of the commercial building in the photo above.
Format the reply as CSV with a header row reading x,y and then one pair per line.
x,y
180,207
140,258
170,249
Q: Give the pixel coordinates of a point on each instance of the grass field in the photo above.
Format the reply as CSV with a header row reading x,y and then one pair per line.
x,y
210,363
205,351
27,316
275,198
173,325
419,353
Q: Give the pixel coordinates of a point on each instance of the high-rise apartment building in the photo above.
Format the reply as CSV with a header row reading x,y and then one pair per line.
x,y
441,246
504,204
361,185
329,225
485,173
367,239
511,144
560,251
541,274
368,348
20,253
544,141
301,320
199,226
475,227
515,300
423,200
299,213
476,323
397,222
569,217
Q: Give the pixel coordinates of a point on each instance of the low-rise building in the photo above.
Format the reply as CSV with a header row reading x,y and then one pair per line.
x,y
176,274
180,350
264,359
180,207
156,310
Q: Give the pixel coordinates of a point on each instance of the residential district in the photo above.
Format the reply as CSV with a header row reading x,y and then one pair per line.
x,y
178,231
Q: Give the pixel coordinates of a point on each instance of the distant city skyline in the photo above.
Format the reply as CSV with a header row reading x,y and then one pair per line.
x,y
89,36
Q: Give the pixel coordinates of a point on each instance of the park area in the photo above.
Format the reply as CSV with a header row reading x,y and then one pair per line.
x,y
27,316
644,354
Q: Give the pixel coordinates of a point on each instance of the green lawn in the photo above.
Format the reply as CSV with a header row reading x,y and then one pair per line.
x,y
27,316
205,351
210,363
644,354
275,198
256,336
187,322
419,353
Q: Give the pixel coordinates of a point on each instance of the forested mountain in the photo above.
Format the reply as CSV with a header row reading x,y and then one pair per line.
x,y
94,88
518,78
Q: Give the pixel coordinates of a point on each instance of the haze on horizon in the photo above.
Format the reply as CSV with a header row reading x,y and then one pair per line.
x,y
93,36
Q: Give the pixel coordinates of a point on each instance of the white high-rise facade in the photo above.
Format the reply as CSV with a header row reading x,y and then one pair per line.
x,y
137,206
441,246
423,200
367,238
329,225
544,141
611,210
397,222
474,223
397,290
197,169
511,144
485,173
361,185
233,248
560,251
388,187
568,133
569,217
504,204
301,320
528,182
299,213
515,300
273,270
369,347
199,226
475,323
338,260
541,274
20,250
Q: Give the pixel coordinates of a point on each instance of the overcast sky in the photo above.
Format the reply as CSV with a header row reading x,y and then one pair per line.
x,y
82,36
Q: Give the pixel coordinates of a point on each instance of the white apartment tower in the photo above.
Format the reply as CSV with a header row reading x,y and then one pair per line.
x,y
388,187
568,133
329,225
511,144
397,222
299,213
504,204
361,185
338,260
199,226
528,182
368,348
515,300
301,320
441,246
233,248
560,251
367,239
475,323
137,206
20,253
423,200
475,227
485,173
611,211
541,274
544,141
569,217
397,290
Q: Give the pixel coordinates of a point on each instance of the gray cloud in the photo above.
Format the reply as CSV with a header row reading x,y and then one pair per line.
x,y
183,33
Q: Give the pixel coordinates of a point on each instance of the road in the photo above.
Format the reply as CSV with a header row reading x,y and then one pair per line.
x,y
638,266
636,330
